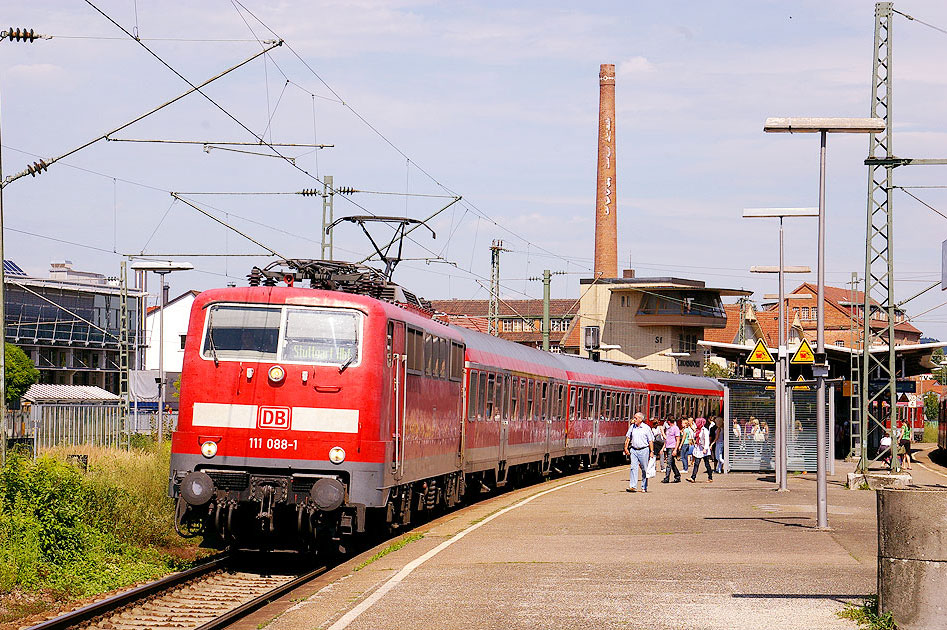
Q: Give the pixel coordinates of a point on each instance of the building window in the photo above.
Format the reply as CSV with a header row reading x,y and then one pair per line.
x,y
517,325
507,325
840,342
686,343
805,312
183,339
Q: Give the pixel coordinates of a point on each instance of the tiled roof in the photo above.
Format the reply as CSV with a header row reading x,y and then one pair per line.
x,y
39,393
480,324
728,334
508,308
836,295
573,336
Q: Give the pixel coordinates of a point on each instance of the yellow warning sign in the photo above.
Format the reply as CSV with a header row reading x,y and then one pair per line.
x,y
773,381
803,355
760,355
803,388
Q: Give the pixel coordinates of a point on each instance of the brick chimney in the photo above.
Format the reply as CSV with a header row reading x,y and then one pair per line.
x,y
606,224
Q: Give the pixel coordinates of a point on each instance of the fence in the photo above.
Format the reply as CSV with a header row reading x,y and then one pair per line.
x,y
750,420
45,426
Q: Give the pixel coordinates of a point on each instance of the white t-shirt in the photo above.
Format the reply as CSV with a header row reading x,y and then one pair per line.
x,y
640,436
702,444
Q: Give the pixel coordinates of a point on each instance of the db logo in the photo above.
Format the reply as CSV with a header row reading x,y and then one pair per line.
x,y
273,418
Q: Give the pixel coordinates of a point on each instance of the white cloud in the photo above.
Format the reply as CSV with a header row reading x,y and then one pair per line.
x,y
636,65
43,72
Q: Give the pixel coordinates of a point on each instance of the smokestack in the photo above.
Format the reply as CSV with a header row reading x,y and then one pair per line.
x,y
606,224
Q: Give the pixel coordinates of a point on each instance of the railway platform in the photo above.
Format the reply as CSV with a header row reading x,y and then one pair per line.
x,y
581,552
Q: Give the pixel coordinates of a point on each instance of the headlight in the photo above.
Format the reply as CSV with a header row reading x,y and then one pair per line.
x,y
336,454
276,374
209,449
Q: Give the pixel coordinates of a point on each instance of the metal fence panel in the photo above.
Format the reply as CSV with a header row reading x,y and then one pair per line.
x,y
751,427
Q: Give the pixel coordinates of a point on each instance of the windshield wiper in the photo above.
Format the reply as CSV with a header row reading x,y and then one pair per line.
x,y
210,337
347,363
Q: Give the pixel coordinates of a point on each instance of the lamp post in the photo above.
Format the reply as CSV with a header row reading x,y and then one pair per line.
x,y
162,268
820,369
782,369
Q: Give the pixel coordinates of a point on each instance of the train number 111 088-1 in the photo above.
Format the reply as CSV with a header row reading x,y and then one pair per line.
x,y
274,444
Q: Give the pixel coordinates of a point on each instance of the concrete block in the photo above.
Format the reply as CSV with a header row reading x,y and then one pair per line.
x,y
912,556
877,481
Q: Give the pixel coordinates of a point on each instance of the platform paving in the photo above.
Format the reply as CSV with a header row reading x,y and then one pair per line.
x,y
731,554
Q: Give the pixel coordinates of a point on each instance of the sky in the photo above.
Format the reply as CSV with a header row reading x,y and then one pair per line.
x,y
493,101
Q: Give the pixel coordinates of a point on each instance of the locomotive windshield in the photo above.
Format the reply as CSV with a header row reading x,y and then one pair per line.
x,y
294,334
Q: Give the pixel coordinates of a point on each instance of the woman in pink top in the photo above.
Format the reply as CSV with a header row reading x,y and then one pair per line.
x,y
672,446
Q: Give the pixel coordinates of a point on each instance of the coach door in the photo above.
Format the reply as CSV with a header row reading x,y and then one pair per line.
x,y
397,365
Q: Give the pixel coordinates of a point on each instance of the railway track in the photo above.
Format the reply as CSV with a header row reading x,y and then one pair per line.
x,y
207,597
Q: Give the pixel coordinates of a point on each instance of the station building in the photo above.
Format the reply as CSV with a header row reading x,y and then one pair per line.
x,y
652,322
69,323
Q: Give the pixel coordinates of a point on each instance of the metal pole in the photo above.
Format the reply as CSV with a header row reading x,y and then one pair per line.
x,y
3,333
821,487
781,374
161,364
547,277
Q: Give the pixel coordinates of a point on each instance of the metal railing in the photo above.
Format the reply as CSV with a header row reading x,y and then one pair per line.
x,y
46,426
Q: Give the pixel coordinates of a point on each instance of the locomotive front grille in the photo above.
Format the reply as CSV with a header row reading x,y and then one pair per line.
x,y
226,480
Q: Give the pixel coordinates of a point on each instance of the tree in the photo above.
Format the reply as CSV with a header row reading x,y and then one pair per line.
x,y
713,370
20,373
931,406
939,373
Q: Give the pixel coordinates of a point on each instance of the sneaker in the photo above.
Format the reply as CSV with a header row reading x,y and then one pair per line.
x,y
710,481
678,480
644,489
665,481
631,490
692,480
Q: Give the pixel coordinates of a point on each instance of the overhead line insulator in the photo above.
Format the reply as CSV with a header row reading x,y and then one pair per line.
x,y
346,190
310,192
36,168
19,35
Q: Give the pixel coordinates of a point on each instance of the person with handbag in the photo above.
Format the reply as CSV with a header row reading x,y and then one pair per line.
x,y
659,441
672,439
639,444
702,452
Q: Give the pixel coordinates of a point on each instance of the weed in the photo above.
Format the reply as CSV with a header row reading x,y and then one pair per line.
x,y
395,546
867,617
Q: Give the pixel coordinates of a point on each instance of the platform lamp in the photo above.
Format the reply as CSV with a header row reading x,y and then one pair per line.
x,y
162,268
782,369
822,126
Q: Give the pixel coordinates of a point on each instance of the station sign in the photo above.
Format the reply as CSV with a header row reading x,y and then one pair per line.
x,y
760,355
801,388
804,354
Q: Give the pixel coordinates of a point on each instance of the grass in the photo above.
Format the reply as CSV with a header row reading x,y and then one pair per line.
x,y
867,617
395,546
66,533
930,433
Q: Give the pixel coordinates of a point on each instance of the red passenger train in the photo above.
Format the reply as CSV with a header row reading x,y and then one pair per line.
x,y
307,415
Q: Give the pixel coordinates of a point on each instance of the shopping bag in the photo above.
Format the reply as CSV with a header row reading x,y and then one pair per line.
x,y
651,471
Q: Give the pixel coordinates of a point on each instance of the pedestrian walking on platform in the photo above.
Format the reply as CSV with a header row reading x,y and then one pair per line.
x,y
716,442
702,452
639,444
687,442
658,432
905,443
672,445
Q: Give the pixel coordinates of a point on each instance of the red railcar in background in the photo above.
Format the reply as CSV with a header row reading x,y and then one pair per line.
x,y
308,415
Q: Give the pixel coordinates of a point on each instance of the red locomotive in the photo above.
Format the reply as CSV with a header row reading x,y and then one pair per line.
x,y
307,415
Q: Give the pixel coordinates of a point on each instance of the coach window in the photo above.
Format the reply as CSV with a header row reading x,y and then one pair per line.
x,y
472,396
390,342
514,398
544,398
522,415
428,355
530,399
456,361
491,393
481,396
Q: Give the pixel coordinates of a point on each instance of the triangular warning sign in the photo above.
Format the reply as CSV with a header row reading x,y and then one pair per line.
x,y
803,355
804,388
760,355
773,381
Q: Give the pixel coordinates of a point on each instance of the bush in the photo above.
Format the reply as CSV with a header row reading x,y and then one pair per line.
x,y
78,533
